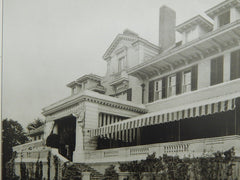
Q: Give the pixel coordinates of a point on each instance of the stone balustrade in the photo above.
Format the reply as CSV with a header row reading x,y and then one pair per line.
x,y
29,146
190,148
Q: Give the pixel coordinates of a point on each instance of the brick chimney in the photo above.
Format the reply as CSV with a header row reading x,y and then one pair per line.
x,y
167,24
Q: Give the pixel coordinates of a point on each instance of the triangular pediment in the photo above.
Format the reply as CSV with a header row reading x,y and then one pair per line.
x,y
119,41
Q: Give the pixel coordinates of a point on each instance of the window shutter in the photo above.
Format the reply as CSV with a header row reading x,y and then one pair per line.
x,y
164,87
129,94
150,91
235,65
217,70
179,83
194,78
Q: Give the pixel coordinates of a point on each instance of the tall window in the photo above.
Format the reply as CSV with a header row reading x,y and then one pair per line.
x,y
186,81
217,70
172,85
235,65
120,64
158,90
224,19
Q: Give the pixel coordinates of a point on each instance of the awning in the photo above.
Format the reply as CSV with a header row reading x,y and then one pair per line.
x,y
206,107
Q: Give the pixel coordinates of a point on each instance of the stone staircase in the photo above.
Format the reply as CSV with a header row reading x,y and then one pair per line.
x,y
74,170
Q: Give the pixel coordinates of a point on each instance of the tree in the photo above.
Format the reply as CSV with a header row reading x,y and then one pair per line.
x,y
13,134
36,124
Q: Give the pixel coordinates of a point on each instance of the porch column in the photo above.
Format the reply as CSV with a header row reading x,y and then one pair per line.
x,y
78,154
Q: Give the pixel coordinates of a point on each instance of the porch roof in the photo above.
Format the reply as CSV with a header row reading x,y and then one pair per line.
x,y
206,107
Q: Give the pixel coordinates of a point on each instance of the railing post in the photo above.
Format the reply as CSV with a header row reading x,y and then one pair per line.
x,y
123,175
86,175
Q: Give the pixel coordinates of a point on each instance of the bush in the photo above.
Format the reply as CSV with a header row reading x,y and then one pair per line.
x,y
110,173
218,166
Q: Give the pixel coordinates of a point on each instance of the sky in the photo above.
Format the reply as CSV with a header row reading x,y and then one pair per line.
x,y
49,43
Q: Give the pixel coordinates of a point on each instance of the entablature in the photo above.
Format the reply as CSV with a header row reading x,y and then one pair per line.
x,y
93,97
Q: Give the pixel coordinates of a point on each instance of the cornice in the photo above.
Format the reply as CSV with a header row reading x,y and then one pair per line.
x,y
89,76
95,98
185,46
197,20
218,9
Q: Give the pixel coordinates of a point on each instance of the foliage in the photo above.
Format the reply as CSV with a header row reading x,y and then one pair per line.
x,y
110,173
53,141
218,166
12,135
56,164
49,164
35,124
10,170
71,171
23,171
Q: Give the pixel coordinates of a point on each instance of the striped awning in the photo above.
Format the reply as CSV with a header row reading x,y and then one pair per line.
x,y
164,116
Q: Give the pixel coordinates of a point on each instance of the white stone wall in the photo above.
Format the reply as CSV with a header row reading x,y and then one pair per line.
x,y
190,148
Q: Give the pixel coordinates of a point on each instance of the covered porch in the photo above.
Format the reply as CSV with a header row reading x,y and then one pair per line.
x,y
217,117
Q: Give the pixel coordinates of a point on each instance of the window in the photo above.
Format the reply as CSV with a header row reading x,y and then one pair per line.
x,y
224,19
217,70
121,64
158,90
186,87
74,90
172,85
129,94
235,65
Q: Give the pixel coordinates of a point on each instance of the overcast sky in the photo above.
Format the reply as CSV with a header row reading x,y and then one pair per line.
x,y
49,43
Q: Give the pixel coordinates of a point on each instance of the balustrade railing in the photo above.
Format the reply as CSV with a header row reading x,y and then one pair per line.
x,y
188,148
29,146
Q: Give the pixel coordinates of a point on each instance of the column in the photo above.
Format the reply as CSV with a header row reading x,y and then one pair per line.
x,y
78,154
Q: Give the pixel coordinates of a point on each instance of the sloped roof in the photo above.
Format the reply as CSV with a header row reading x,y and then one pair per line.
x,y
127,35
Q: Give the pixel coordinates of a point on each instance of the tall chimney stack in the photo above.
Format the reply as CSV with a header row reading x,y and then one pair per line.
x,y
167,24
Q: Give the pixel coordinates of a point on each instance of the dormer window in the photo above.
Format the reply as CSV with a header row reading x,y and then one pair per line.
x,y
194,28
74,90
191,34
224,19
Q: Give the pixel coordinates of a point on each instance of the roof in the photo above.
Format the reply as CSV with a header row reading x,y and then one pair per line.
x,y
197,20
127,35
225,5
38,130
83,78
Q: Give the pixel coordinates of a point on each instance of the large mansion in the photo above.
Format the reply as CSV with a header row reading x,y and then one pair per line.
x,y
176,98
